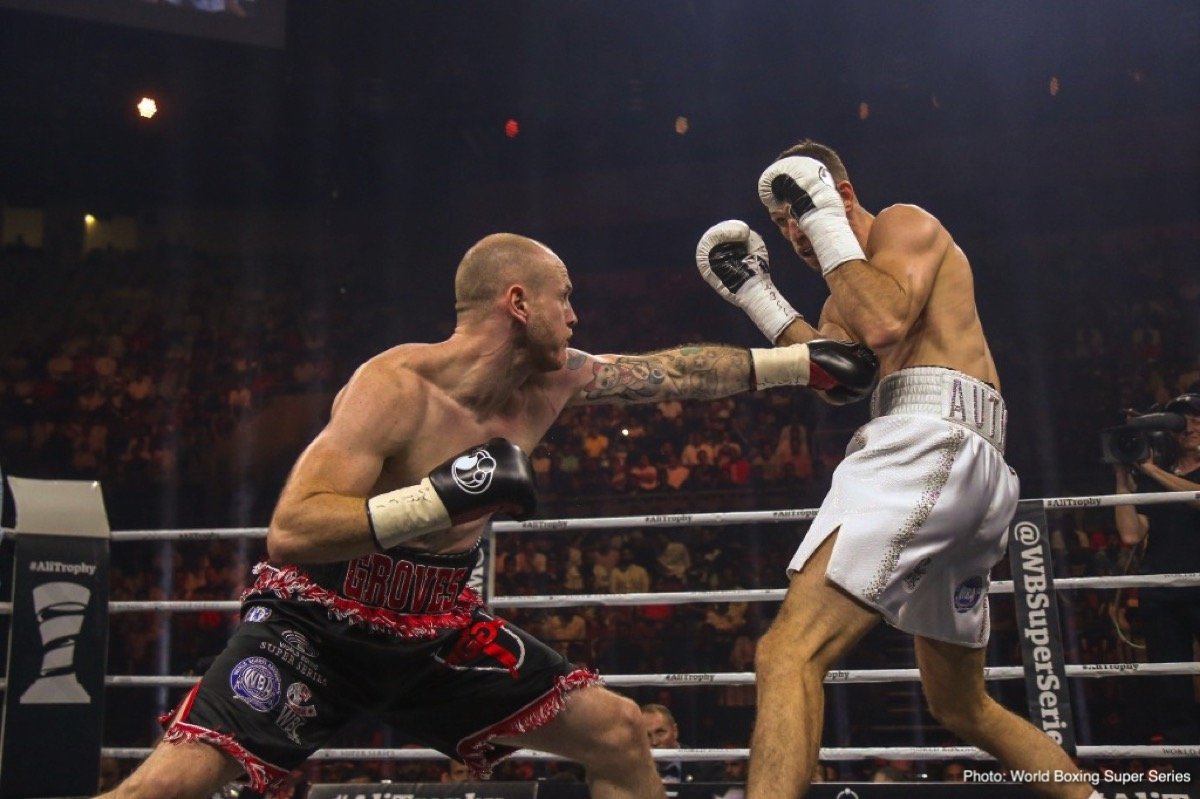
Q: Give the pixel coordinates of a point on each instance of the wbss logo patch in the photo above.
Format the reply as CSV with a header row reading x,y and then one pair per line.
x,y
256,682
968,594
298,642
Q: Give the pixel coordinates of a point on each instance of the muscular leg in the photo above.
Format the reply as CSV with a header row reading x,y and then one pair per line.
x,y
952,677
605,733
178,771
817,624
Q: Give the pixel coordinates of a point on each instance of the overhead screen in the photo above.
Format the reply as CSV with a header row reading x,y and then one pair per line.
x,y
255,22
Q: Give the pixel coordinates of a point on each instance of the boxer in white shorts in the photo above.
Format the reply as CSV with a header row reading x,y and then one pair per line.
x,y
917,512
921,505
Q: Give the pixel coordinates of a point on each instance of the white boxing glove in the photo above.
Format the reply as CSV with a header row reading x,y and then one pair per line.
x,y
806,185
732,259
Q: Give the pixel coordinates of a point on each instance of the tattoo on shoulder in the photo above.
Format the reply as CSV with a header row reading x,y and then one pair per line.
x,y
576,359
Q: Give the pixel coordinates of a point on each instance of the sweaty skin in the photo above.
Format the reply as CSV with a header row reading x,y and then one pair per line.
x,y
368,448
912,301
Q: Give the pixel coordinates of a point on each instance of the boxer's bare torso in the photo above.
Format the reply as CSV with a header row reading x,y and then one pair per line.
x,y
912,301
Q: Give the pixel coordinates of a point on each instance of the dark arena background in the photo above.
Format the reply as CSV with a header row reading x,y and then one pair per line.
x,y
212,211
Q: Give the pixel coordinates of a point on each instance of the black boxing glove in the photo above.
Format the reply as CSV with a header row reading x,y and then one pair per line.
x,y
846,371
495,477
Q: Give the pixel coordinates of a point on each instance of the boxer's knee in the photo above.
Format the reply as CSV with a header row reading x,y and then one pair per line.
x,y
622,739
791,649
960,713
776,652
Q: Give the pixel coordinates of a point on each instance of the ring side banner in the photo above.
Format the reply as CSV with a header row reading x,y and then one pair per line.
x,y
1047,694
57,642
728,790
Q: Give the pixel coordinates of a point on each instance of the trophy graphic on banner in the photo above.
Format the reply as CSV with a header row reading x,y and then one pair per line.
x,y
59,607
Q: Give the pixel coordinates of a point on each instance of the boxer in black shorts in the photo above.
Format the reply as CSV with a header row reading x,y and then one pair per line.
x,y
451,680
370,602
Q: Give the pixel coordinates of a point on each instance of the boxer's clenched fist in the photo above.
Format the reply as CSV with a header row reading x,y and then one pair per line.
x,y
845,370
493,477
806,187
733,259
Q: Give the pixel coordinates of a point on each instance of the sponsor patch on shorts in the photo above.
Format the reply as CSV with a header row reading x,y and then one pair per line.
x,y
256,682
968,594
298,642
487,645
258,613
914,577
296,710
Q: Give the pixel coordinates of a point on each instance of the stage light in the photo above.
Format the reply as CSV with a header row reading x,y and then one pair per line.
x,y
681,125
147,108
512,128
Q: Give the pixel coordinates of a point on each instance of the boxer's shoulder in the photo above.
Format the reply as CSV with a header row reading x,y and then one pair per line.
x,y
908,237
906,222
394,376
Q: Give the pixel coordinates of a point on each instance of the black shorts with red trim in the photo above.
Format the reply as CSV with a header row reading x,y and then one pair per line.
x,y
304,662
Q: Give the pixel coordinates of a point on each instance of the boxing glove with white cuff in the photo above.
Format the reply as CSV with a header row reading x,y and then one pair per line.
x,y
806,185
732,259
495,477
844,370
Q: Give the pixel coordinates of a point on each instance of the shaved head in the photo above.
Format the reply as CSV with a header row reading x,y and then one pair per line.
x,y
496,262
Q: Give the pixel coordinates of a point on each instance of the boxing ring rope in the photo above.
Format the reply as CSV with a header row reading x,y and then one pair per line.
x,y
1180,580
715,519
685,597
699,755
837,676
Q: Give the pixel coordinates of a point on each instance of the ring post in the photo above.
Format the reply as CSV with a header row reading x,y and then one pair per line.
x,y
50,732
1036,603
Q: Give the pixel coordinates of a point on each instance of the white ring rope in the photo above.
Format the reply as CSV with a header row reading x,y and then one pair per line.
x,y
665,519
1186,580
1182,580
839,676
697,755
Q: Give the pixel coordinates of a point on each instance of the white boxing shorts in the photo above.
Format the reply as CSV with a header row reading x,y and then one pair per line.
x,y
921,505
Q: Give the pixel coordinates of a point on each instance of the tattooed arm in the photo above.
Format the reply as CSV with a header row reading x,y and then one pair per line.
x,y
699,371
845,371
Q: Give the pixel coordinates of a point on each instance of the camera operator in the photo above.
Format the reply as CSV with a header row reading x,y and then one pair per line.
x,y
1170,616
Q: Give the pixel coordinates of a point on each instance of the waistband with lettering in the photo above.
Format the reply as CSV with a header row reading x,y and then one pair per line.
x,y
947,394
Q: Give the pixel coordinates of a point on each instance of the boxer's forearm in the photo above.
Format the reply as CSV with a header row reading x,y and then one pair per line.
x,y
702,371
799,332
321,528
875,307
